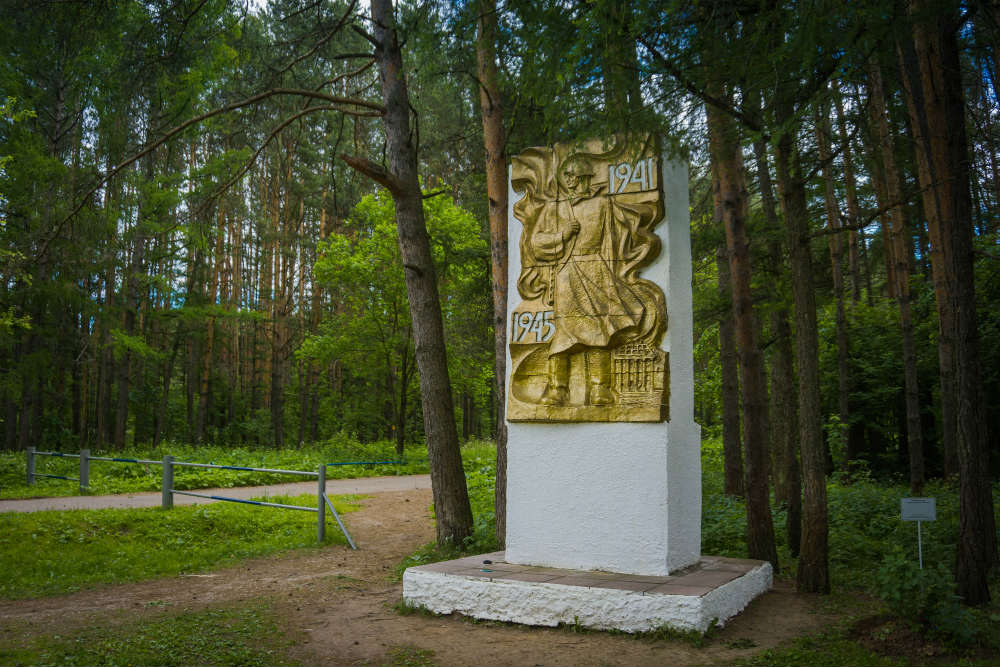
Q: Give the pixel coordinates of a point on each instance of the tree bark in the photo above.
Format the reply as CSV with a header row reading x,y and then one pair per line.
x,y
900,252
938,120
727,157
783,413
941,253
853,209
451,498
836,246
496,191
732,449
813,573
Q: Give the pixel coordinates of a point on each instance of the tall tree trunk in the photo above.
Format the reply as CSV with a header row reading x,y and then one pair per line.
x,y
105,360
732,449
727,158
836,246
208,351
813,573
130,302
278,378
941,253
938,120
451,498
853,209
900,252
783,408
496,192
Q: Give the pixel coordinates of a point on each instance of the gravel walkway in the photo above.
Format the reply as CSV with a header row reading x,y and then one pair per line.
x,y
333,487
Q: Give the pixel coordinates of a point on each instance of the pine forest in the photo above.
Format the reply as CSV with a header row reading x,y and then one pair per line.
x,y
270,222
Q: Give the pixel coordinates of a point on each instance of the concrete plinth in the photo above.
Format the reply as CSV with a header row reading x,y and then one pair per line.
x,y
712,590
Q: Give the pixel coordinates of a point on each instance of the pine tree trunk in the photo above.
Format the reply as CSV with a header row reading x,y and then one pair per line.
x,y
938,119
727,158
813,572
853,209
783,407
836,246
732,450
451,499
496,192
941,256
900,252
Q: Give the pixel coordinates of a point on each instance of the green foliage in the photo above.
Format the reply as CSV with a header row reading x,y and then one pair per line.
x,y
924,597
876,374
371,332
247,636
56,552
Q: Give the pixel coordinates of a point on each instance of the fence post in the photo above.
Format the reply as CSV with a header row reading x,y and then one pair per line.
x,y
168,482
321,503
84,470
30,453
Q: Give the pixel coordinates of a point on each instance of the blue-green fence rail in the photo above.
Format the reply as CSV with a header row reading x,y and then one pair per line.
x,y
168,491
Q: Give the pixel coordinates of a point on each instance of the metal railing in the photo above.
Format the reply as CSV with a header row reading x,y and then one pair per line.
x,y
168,491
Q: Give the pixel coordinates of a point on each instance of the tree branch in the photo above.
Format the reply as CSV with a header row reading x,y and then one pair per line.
x,y
720,104
328,36
374,171
260,149
376,110
367,35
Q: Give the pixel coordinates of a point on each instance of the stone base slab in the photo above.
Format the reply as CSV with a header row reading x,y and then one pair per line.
x,y
712,590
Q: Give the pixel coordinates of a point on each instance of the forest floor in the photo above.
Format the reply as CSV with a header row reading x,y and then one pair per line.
x,y
338,606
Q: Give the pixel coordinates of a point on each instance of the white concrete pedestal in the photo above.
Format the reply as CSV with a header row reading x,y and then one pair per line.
x,y
709,592
620,496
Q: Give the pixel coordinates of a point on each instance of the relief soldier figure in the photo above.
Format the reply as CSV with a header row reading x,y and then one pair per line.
x,y
585,342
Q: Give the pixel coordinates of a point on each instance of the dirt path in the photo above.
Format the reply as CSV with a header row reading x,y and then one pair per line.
x,y
153,499
340,603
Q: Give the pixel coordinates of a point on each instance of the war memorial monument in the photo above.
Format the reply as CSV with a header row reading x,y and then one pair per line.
x,y
603,455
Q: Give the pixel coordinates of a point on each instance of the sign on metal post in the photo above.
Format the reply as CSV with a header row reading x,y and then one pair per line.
x,y
919,510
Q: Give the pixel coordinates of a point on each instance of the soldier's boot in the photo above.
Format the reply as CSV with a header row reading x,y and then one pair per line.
x,y
557,390
599,377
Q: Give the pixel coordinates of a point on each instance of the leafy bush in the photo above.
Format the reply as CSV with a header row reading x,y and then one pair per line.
x,y
924,597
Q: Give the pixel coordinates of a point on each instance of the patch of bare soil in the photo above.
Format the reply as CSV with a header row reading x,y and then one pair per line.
x,y
339,603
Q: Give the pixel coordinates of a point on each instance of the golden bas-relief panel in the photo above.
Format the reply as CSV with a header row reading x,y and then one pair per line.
x,y
585,340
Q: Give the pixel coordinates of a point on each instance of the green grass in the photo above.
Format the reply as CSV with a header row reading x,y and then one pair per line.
x,y
245,636
826,649
410,656
109,478
54,552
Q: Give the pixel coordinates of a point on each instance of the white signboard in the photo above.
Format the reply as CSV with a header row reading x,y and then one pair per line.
x,y
918,509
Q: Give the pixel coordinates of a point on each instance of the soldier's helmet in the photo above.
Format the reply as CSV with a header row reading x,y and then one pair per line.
x,y
574,167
